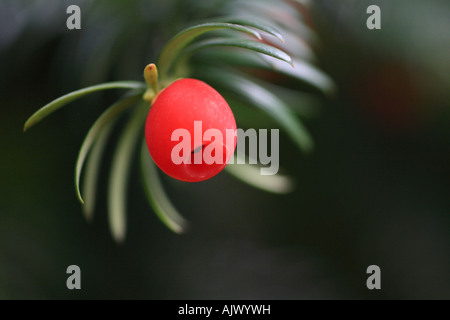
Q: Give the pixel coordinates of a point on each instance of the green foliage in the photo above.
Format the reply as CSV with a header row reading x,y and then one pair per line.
x,y
173,48
245,44
156,195
254,93
120,171
65,99
96,139
247,47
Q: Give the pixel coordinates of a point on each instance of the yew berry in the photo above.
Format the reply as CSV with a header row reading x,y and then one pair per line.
x,y
190,131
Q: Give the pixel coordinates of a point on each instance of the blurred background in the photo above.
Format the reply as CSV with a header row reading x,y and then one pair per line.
x,y
375,190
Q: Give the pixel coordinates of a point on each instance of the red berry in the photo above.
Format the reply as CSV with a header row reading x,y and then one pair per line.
x,y
192,107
